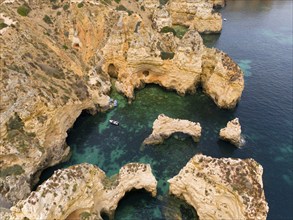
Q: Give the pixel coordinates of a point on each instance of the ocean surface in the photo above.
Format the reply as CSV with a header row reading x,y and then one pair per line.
x,y
258,36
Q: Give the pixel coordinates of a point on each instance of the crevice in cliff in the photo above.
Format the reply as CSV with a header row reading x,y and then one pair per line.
x,y
112,71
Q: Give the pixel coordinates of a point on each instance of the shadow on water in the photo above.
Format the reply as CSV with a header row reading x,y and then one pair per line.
x,y
132,206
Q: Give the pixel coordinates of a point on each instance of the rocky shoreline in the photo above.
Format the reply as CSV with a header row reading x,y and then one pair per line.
x,y
58,59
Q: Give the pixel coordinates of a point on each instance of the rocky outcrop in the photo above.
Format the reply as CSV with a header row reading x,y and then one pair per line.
x,y
197,14
161,18
232,133
57,61
143,56
45,84
221,78
222,188
164,127
82,190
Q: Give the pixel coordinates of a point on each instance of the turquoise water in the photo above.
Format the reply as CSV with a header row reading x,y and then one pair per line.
x,y
258,36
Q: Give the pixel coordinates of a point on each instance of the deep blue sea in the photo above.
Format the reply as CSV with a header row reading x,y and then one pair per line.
x,y
258,36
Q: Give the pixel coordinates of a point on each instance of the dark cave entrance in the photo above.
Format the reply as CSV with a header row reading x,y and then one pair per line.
x,y
112,71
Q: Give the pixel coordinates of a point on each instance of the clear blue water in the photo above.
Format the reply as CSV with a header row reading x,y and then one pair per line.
x,y
258,36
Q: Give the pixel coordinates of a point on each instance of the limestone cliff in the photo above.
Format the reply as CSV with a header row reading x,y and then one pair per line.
x,y
136,55
232,133
197,14
57,58
164,127
82,190
48,76
222,188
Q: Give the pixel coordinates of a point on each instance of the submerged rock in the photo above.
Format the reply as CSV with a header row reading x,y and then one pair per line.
x,y
80,190
164,127
222,188
232,133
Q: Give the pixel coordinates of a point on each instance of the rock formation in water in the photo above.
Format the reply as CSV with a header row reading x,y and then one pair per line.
x,y
144,56
164,127
82,190
197,14
222,188
56,60
232,133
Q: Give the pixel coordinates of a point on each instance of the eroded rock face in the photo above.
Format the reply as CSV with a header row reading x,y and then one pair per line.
x,y
144,56
221,78
232,133
46,82
222,188
164,127
197,14
55,63
82,190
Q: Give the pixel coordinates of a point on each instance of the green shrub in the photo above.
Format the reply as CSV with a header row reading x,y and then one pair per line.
x,y
167,55
47,19
168,29
54,7
117,1
23,10
85,216
13,170
66,7
80,5
163,2
15,123
123,8
180,30
65,47
3,25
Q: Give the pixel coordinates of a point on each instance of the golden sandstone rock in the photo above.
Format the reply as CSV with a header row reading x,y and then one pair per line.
x,y
80,190
222,188
164,127
232,133
52,69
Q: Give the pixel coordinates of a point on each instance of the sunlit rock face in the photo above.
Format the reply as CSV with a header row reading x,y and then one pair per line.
x,y
232,133
58,61
222,188
144,56
82,190
197,14
164,127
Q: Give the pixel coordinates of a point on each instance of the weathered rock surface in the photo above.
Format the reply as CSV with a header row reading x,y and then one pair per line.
x,y
222,188
45,84
143,56
232,133
57,61
197,14
164,127
82,190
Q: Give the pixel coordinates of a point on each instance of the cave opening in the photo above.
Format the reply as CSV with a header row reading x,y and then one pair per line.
x,y
112,71
146,73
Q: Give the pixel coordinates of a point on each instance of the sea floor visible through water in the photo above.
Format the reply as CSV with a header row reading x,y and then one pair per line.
x,y
258,36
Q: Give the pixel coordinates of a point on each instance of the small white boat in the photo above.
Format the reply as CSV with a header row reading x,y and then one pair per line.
x,y
225,19
113,122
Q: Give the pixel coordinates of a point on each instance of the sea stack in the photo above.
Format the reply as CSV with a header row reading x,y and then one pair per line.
x,y
222,188
232,133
